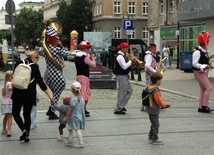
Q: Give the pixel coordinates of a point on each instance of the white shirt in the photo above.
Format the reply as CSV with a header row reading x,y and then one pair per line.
x,y
148,59
195,58
121,60
166,51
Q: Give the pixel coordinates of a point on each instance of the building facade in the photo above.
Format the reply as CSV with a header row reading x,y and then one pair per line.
x,y
201,11
108,16
162,23
51,7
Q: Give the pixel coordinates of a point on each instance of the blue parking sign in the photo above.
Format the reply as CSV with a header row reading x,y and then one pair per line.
x,y
128,24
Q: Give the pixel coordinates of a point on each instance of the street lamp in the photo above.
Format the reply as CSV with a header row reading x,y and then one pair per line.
x,y
127,15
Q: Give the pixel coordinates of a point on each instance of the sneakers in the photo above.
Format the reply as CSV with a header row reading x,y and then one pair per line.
x,y
69,141
124,109
87,112
157,142
205,109
79,145
120,112
60,138
87,115
53,116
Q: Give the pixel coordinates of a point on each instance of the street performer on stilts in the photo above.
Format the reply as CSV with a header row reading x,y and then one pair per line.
x,y
53,74
200,63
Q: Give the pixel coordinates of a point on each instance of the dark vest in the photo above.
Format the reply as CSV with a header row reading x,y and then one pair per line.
x,y
81,67
118,70
204,59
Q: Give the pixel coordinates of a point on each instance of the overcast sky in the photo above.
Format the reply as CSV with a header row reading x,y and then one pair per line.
x,y
2,2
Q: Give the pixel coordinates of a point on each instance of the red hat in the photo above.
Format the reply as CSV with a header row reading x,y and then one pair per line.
x,y
203,38
152,46
84,45
123,45
66,100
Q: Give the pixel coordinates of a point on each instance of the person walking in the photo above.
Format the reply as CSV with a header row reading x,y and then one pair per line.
x,y
53,75
7,102
121,70
153,109
200,63
83,62
150,62
75,116
63,109
27,98
166,56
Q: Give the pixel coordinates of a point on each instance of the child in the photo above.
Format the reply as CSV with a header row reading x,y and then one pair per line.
x,y
63,109
75,116
34,110
155,102
7,103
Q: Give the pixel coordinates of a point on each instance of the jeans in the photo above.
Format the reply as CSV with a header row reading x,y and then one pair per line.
x,y
33,117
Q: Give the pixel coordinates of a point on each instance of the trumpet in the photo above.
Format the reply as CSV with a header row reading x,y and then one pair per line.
x,y
136,63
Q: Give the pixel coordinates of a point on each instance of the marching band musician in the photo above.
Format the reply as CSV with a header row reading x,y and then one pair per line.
x,y
201,66
121,70
53,75
83,61
150,62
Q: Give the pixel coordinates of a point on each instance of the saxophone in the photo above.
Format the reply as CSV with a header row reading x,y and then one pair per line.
x,y
160,66
58,27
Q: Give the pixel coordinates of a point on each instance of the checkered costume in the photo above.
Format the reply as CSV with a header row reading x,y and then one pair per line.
x,y
53,76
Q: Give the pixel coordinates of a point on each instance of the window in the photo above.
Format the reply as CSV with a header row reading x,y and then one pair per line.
x,y
133,34
161,7
145,8
97,10
117,8
131,7
145,33
100,9
171,6
94,10
117,32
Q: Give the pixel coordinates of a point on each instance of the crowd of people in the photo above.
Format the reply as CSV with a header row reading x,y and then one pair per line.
x,y
73,110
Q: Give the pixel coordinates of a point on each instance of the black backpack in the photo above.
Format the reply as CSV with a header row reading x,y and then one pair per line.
x,y
145,96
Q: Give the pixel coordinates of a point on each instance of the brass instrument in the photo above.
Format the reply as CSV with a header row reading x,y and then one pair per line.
x,y
58,27
160,66
136,63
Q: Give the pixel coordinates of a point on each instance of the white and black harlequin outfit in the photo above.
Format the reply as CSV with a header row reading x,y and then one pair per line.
x,y
125,90
53,76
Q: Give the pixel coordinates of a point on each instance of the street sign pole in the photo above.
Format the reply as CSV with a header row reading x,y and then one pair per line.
x,y
10,9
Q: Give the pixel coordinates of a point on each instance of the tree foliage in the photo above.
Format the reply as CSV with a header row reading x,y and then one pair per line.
x,y
75,15
5,34
28,26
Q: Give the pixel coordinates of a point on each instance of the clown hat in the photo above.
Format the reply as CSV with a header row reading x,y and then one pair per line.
x,y
203,38
84,45
123,45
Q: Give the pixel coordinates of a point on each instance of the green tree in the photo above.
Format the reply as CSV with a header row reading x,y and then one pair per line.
x,y
28,27
5,34
75,15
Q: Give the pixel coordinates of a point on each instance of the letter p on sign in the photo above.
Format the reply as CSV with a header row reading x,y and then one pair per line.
x,y
128,24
